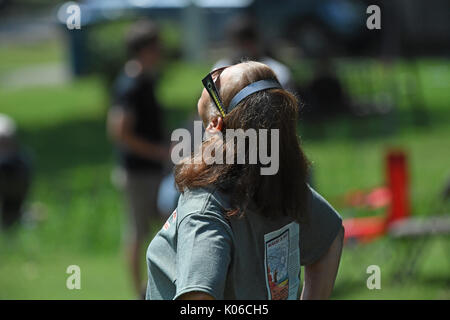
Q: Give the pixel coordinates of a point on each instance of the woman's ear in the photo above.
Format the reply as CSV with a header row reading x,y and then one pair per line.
x,y
215,125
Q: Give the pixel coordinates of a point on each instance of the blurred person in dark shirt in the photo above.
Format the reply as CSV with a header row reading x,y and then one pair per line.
x,y
15,174
135,125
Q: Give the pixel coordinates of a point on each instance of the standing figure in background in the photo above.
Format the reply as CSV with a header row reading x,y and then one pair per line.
x,y
246,44
15,174
135,126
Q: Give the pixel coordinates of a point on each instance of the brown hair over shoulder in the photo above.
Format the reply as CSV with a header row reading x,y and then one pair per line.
x,y
281,194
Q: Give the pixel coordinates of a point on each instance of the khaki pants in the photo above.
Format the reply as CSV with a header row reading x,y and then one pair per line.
x,y
141,190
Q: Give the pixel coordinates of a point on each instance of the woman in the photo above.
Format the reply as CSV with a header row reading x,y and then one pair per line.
x,y
236,233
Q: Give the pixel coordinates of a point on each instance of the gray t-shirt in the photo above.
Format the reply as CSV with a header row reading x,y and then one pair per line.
x,y
251,257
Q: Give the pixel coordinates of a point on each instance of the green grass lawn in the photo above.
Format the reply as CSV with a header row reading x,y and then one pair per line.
x,y
80,212
43,276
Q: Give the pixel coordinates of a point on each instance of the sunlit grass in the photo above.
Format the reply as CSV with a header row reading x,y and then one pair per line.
x,y
63,127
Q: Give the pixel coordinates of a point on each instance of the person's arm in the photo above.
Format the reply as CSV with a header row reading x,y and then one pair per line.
x,y
196,295
120,124
321,274
203,256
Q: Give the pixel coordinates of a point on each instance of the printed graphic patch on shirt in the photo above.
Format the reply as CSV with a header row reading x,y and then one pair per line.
x,y
174,215
282,262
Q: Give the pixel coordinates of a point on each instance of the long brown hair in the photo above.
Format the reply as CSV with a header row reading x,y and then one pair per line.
x,y
282,194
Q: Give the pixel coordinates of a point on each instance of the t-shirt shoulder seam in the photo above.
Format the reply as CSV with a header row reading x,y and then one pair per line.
x,y
201,211
215,194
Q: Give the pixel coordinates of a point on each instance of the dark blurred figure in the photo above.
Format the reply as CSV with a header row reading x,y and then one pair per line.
x,y
446,191
246,44
324,97
135,125
15,174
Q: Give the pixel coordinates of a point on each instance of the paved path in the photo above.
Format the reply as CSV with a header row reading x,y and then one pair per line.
x,y
28,29
36,75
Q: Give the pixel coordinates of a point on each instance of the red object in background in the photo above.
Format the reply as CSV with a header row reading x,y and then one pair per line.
x,y
397,176
368,228
364,229
379,197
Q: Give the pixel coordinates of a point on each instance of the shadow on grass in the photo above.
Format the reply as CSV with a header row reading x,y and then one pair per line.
x,y
79,142
350,127
84,142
